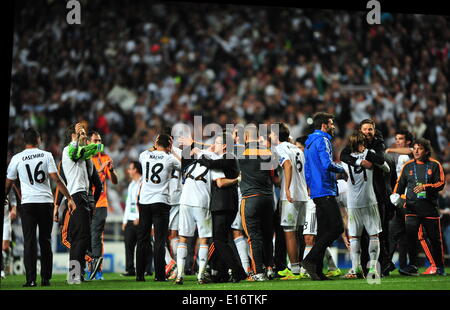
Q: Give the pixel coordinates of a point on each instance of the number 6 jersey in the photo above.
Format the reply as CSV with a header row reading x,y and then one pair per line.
x,y
298,189
157,168
33,167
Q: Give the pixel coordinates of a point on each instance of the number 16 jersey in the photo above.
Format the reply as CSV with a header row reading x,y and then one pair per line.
x,y
157,168
33,166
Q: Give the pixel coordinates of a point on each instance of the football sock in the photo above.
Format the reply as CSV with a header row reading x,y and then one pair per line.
x,y
242,248
295,268
355,253
167,256
181,258
330,260
203,258
174,246
374,251
305,253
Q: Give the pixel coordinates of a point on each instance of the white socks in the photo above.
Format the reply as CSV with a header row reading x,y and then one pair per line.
x,y
167,256
374,251
295,268
181,258
355,253
330,260
242,248
174,246
203,259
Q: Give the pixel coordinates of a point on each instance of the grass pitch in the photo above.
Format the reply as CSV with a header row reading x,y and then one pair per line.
x,y
114,281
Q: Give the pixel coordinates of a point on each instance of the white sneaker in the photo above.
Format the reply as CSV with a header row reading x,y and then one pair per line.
x,y
3,275
258,277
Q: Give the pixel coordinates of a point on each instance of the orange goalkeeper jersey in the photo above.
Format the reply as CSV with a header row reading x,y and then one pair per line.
x,y
104,174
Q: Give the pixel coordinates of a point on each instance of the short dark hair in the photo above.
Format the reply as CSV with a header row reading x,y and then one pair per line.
x,y
93,132
137,165
167,130
31,136
426,145
408,135
68,135
321,118
164,140
302,140
367,121
283,131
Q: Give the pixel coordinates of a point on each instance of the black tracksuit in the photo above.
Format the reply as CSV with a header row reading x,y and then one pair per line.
x,y
422,208
76,233
257,210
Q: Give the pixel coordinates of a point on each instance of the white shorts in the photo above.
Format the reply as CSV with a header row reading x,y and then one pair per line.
x,y
359,218
195,217
293,214
237,223
6,227
174,217
310,225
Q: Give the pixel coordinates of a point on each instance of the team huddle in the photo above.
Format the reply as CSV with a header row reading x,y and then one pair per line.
x,y
233,195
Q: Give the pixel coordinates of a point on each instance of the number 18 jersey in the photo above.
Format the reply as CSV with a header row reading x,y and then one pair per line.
x,y
157,168
33,166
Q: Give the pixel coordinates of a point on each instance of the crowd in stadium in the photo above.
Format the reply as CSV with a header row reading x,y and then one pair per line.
x,y
130,71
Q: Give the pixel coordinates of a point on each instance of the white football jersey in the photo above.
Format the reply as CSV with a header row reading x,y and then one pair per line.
x,y
360,192
342,188
157,167
197,186
76,173
402,159
33,166
288,151
131,210
175,184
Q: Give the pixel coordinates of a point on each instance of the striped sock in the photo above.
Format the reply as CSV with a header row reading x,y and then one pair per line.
x,y
174,246
181,258
374,251
203,259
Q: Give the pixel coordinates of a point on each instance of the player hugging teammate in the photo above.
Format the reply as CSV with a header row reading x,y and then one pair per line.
x,y
179,192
